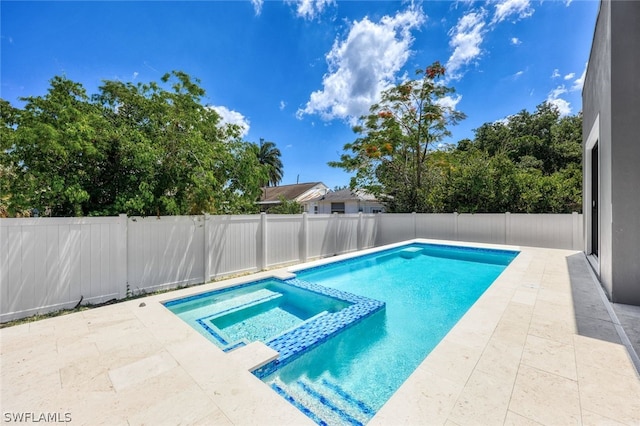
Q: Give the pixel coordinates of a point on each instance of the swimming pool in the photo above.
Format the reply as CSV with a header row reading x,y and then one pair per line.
x,y
426,288
348,333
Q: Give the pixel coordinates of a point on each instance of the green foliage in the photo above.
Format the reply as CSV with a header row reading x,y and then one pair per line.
x,y
530,163
541,154
8,169
286,207
390,158
144,149
54,146
527,163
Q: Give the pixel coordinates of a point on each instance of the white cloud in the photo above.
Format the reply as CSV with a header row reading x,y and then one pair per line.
x,y
518,74
564,107
515,41
310,9
554,98
560,90
507,8
228,116
363,65
570,76
466,38
135,75
283,104
449,101
568,2
257,6
579,82
556,73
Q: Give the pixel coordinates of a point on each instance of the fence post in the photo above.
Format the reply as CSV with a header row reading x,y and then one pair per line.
x,y
415,232
359,232
207,248
455,226
575,236
305,236
123,257
262,247
334,222
507,228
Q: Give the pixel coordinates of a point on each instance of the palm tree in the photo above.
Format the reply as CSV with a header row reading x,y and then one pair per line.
x,y
269,156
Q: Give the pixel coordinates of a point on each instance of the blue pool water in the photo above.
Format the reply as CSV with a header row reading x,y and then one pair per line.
x,y
260,311
348,333
426,288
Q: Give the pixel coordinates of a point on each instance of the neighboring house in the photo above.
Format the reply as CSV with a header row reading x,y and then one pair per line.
x,y
300,192
611,151
345,201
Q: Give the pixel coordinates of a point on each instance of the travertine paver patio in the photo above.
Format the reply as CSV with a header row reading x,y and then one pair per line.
x,y
539,347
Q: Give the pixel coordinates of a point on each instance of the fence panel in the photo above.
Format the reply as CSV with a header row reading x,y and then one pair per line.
x,y
545,230
321,239
393,228
346,232
233,244
283,239
165,252
368,230
482,228
436,225
49,264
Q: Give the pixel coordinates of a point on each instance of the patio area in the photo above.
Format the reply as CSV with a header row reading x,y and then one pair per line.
x,y
541,346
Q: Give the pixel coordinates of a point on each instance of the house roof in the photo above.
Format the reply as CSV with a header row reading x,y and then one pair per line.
x,y
272,194
346,195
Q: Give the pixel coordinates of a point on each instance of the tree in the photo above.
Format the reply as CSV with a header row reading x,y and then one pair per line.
x,y
532,164
143,149
8,168
56,147
390,159
268,156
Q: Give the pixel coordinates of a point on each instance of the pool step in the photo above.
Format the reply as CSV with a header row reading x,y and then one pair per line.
x,y
244,301
235,303
325,402
411,252
225,307
349,399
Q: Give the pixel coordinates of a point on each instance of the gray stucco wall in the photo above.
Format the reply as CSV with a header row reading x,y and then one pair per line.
x,y
596,102
625,142
612,92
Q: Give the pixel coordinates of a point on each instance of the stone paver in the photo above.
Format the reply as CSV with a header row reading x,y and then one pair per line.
x,y
540,347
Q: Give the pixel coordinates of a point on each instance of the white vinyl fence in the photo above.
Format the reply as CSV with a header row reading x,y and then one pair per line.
x,y
48,264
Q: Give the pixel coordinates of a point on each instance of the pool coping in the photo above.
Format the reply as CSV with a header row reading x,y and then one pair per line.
x,y
539,339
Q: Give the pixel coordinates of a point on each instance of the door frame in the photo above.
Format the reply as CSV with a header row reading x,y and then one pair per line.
x,y
590,144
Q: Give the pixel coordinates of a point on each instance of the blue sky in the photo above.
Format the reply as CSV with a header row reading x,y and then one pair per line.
x,y
299,73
